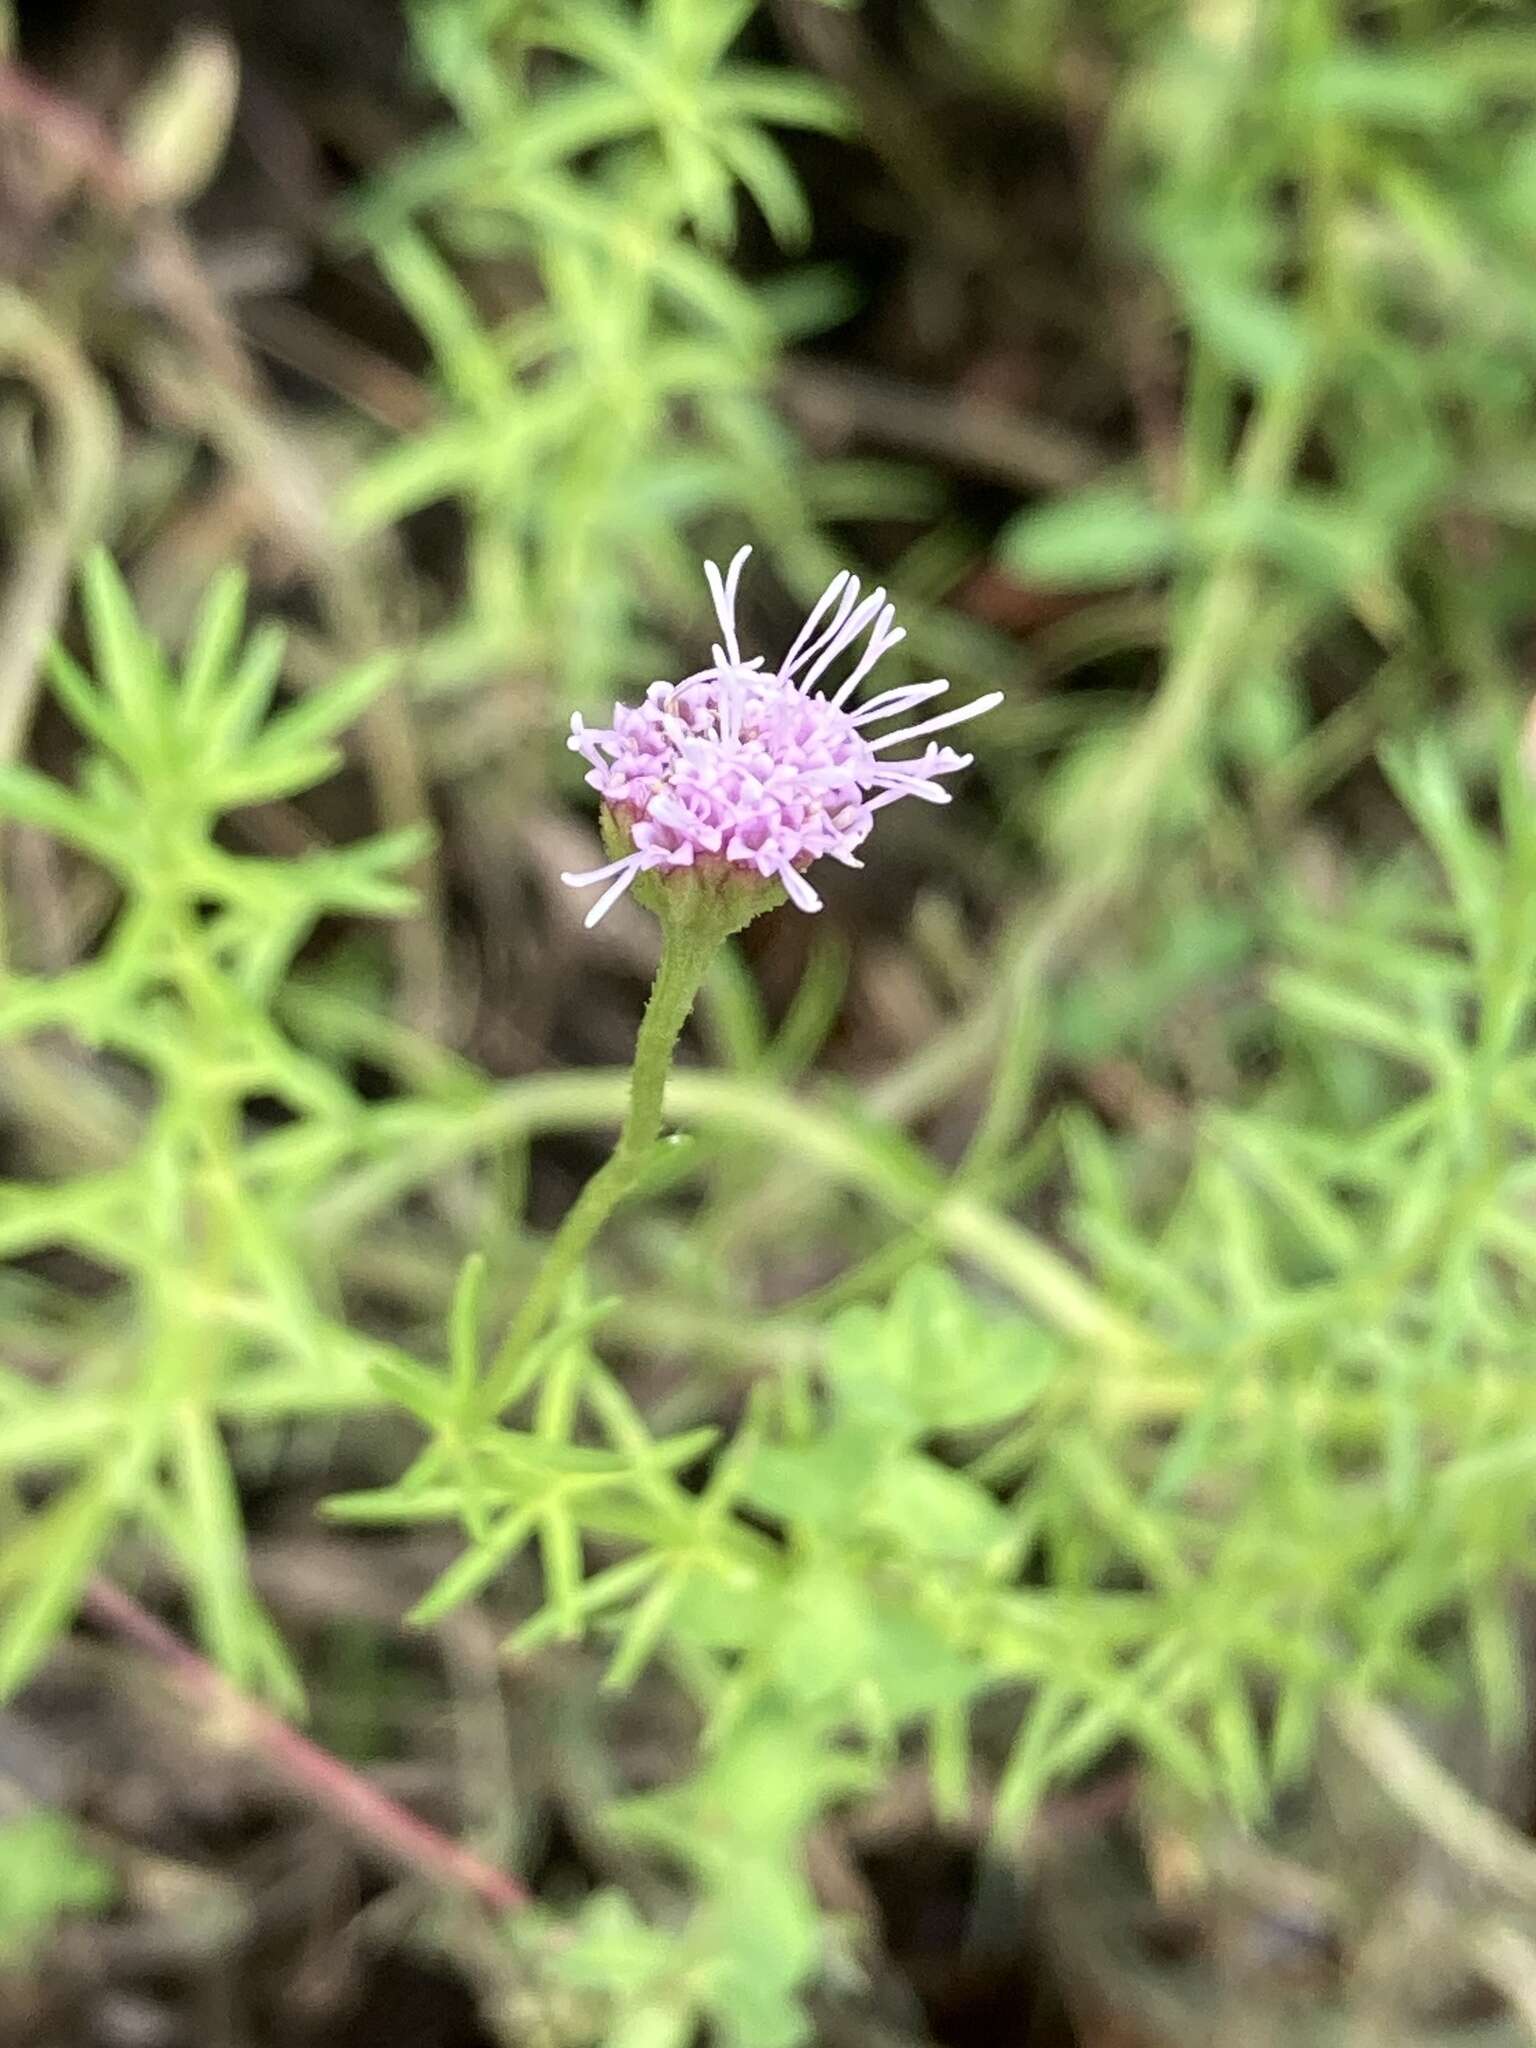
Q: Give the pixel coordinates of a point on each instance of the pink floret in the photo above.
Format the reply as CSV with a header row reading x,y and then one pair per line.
x,y
755,768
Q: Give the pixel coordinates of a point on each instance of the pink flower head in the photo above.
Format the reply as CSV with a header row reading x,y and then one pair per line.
x,y
752,769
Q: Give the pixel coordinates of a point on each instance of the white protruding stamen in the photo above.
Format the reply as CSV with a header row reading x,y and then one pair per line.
x,y
723,591
797,888
891,703
610,896
881,640
830,633
626,869
914,785
925,792
845,636
802,638
917,732
597,874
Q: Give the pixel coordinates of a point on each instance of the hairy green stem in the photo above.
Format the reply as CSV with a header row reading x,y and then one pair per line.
x,y
688,946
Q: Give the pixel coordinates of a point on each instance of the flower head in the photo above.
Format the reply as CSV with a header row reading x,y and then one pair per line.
x,y
755,773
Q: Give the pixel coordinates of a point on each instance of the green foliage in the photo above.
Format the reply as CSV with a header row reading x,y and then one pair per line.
x,y
1205,1398
1337,209
586,432
1311,1471
185,1214
44,1874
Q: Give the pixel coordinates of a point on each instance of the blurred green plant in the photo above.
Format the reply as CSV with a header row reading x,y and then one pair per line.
x,y
1315,222
1279,1444
159,1059
623,397
45,1873
1340,225
1259,1424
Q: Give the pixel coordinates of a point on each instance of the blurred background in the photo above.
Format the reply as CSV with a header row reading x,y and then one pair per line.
x,y
1175,367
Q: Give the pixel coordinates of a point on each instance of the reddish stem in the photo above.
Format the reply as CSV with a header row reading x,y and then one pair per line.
x,y
73,133
79,140
319,1777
